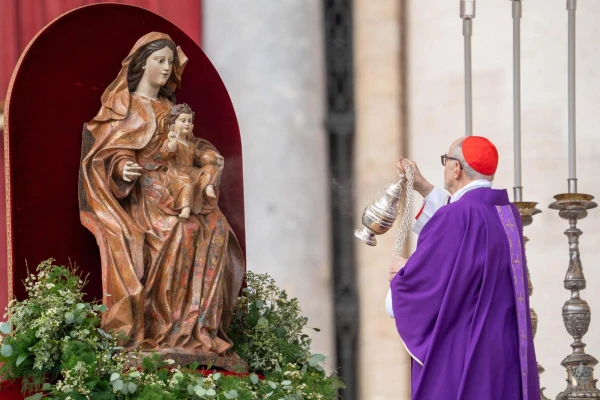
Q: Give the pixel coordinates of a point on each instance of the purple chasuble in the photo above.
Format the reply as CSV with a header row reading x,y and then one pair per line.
x,y
457,307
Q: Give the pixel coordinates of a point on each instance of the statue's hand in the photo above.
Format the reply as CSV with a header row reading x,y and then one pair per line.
x,y
220,162
173,138
131,171
420,184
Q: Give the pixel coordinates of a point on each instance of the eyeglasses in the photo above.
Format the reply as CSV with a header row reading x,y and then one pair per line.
x,y
445,157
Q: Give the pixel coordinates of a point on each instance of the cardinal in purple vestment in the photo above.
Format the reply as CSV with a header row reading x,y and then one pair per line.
x,y
460,302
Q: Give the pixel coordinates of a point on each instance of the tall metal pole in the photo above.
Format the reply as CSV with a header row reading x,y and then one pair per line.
x,y
467,13
572,9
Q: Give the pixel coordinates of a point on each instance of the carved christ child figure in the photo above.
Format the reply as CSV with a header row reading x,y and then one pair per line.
x,y
191,172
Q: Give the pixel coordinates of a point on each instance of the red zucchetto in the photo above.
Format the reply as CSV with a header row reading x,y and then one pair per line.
x,y
480,154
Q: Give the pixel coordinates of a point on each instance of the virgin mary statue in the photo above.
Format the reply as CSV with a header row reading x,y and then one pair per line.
x,y
170,284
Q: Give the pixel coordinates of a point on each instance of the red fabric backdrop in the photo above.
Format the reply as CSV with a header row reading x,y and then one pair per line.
x,y
21,20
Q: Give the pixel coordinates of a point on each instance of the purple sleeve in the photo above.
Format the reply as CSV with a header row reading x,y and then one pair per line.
x,y
418,290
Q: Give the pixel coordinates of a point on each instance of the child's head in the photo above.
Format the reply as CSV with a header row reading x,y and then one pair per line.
x,y
181,118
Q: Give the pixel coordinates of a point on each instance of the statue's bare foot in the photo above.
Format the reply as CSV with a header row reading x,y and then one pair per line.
x,y
210,191
185,213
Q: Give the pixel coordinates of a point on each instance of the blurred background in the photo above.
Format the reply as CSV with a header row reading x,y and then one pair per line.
x,y
329,93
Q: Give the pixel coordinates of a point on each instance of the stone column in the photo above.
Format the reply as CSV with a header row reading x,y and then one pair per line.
x,y
380,132
270,56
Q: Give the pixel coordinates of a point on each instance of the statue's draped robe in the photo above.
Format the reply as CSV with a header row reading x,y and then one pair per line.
x,y
168,283
454,305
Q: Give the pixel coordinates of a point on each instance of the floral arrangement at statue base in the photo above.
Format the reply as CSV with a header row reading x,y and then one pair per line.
x,y
53,342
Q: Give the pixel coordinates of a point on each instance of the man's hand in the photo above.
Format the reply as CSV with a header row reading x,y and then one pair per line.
x,y
397,263
420,184
131,171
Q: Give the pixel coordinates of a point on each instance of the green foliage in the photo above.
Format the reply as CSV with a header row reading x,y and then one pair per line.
x,y
54,342
268,328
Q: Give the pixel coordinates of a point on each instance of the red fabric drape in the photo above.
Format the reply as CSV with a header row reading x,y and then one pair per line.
x,y
20,20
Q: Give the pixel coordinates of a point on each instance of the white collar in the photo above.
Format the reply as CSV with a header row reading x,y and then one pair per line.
x,y
479,183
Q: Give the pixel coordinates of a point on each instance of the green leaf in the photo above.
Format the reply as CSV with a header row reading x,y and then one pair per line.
x,y
316,359
5,327
69,301
279,332
277,367
125,389
317,329
132,387
80,306
254,379
268,395
47,386
106,335
96,307
114,376
118,384
199,391
233,394
69,317
217,376
210,392
260,304
286,383
37,396
135,374
103,308
21,358
263,321
273,385
178,376
6,350
287,387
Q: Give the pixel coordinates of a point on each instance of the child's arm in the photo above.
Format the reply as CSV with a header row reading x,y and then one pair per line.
x,y
167,150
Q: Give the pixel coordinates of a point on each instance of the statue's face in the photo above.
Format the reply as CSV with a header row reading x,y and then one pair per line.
x,y
184,124
158,67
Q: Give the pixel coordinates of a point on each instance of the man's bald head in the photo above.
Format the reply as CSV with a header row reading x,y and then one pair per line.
x,y
459,173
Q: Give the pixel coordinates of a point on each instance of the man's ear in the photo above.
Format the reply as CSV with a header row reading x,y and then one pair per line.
x,y
458,172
